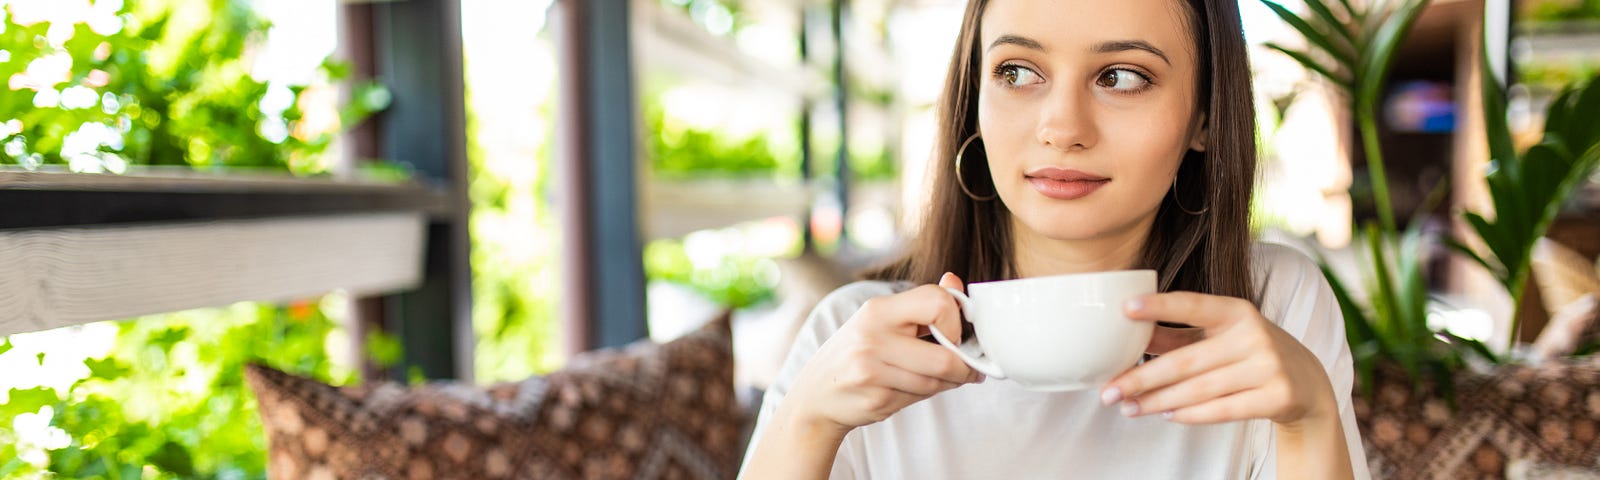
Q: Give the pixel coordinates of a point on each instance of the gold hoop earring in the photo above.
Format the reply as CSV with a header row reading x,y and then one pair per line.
x,y
1175,200
962,182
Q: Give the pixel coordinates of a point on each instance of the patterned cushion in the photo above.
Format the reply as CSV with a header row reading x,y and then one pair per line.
x,y
1549,413
1536,470
645,411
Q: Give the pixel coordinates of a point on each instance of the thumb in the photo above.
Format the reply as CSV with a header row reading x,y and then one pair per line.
x,y
950,325
950,280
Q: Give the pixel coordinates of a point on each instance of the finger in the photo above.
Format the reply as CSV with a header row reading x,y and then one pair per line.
x,y
1166,339
1171,368
950,325
1245,405
1210,312
907,311
1200,389
927,359
890,376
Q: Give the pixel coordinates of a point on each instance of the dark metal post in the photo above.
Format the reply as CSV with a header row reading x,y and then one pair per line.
x,y
417,54
604,297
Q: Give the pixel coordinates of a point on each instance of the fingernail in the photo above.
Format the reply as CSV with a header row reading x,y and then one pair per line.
x,y
982,378
1135,305
1110,395
1130,409
1167,415
946,277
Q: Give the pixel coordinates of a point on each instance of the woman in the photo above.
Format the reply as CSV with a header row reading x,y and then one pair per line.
x,y
1082,136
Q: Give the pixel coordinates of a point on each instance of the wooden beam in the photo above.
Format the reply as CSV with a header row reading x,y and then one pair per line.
x,y
69,276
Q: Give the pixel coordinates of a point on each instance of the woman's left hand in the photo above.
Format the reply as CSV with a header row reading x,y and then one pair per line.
x,y
1245,367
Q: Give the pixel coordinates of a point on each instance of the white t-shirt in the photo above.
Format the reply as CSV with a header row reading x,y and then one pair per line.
x,y
999,430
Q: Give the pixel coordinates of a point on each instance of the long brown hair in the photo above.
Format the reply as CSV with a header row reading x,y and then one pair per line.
x,y
1207,253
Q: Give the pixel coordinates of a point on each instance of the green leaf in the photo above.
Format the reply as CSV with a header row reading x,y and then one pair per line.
x,y
1357,327
1585,128
1380,52
1474,346
1494,239
1466,251
1356,15
1494,109
173,458
1312,65
1343,56
1558,115
106,368
1331,21
5,345
28,401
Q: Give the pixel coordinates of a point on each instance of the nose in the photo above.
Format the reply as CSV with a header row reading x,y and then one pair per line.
x,y
1066,123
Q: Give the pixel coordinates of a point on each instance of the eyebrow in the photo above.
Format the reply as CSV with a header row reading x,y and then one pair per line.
x,y
1125,45
1102,47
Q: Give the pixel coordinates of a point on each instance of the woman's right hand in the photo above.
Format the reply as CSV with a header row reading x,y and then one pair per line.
x,y
877,363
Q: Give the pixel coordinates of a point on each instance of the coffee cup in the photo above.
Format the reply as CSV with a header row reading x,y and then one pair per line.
x,y
1055,333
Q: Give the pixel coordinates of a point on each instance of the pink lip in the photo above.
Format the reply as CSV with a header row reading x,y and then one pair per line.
x,y
1063,183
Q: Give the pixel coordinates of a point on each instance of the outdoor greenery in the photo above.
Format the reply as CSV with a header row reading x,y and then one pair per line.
x,y
145,83
169,399
1353,48
1530,189
163,82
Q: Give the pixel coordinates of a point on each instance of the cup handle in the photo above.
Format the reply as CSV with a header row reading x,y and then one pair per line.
x,y
970,352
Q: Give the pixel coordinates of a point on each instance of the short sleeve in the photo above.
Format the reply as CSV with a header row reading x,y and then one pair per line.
x,y
1297,297
825,320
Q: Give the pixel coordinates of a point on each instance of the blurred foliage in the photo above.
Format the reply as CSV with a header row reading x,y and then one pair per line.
x,y
733,280
720,17
679,151
169,399
150,83
1558,10
164,82
1553,76
515,268
1529,189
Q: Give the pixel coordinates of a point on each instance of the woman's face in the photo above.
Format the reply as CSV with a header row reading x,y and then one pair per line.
x,y
1086,108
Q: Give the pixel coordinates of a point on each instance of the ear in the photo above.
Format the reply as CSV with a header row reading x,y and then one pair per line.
x,y
1197,139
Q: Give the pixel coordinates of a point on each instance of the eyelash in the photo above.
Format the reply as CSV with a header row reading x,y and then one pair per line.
x,y
1000,71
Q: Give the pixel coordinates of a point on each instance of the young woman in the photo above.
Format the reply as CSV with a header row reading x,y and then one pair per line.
x,y
1082,136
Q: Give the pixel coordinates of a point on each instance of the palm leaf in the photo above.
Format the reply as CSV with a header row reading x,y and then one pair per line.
x,y
1380,52
1343,56
1468,252
1311,64
1494,109
1332,21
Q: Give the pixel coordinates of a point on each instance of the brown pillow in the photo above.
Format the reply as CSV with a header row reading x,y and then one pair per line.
x,y
644,411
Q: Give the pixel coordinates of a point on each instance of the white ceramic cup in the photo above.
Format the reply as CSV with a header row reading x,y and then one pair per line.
x,y
1056,333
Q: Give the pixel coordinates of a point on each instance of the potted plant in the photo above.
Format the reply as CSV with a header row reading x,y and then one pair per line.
x,y
1417,394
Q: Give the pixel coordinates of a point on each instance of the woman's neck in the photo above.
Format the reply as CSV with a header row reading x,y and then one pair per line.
x,y
1036,255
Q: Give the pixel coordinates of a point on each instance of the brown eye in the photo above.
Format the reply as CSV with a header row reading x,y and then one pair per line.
x,y
1122,80
1108,79
1010,75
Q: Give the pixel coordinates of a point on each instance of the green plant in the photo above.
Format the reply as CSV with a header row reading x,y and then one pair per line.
x,y
145,83
678,151
169,399
1354,49
1529,189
